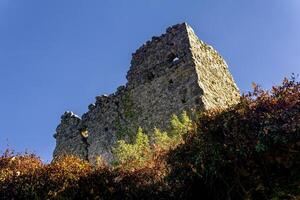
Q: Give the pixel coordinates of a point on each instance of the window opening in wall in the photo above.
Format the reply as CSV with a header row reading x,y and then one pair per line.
x,y
150,76
172,58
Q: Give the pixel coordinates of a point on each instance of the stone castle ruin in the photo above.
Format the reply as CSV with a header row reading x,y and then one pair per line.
x,y
169,74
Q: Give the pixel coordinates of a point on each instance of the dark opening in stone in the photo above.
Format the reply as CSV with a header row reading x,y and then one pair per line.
x,y
150,76
172,58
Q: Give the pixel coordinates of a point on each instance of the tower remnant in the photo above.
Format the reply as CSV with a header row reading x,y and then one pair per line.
x,y
169,74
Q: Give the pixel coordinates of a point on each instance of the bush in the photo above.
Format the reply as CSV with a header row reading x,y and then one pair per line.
x,y
141,153
180,125
133,155
249,151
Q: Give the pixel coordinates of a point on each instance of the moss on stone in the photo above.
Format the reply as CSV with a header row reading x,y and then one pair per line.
x,y
128,106
120,131
123,130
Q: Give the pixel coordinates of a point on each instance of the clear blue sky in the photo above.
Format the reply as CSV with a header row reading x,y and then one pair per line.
x,y
58,55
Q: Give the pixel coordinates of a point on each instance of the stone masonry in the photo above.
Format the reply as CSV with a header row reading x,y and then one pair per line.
x,y
169,74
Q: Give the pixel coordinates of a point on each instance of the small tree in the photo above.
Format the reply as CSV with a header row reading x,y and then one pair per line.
x,y
161,140
180,126
142,147
133,155
139,153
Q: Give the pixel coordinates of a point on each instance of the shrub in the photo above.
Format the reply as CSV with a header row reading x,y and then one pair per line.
x,y
249,151
180,125
161,140
140,153
133,155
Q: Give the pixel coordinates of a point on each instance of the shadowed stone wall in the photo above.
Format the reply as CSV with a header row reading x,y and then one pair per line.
x,y
169,74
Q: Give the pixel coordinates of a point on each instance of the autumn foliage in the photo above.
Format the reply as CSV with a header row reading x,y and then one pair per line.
x,y
249,151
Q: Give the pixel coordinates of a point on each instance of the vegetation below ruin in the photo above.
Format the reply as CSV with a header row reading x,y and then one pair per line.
x,y
249,151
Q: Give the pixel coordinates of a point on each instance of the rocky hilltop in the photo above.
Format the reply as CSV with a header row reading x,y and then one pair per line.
x,y
171,73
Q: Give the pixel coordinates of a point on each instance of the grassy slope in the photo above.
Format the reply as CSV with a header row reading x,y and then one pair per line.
x,y
249,151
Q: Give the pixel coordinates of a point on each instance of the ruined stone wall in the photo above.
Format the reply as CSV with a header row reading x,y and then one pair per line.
x,y
169,74
69,139
220,90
